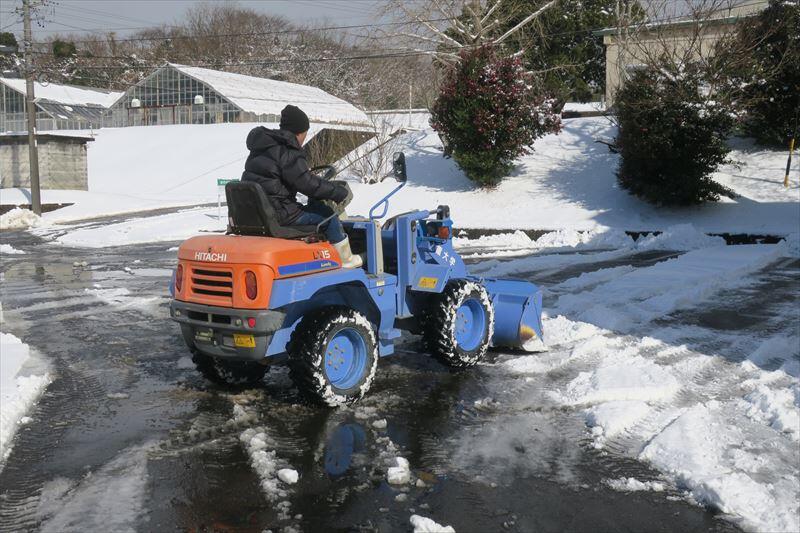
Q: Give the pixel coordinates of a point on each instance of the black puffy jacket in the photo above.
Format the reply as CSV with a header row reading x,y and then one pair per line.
x,y
278,163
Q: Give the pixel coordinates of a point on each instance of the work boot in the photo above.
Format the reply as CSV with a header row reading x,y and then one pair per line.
x,y
346,254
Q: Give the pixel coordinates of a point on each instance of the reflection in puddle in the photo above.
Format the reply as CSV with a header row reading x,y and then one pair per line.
x,y
343,442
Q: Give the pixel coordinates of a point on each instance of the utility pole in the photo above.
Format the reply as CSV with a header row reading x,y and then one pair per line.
x,y
30,107
410,93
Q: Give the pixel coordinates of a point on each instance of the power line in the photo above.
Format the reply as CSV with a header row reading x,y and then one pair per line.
x,y
244,34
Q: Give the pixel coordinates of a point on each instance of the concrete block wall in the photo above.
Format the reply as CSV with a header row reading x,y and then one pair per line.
x,y
62,164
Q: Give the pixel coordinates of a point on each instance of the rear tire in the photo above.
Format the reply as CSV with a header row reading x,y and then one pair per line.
x,y
459,324
333,355
229,373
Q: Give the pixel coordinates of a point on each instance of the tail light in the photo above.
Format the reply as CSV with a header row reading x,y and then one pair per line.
x,y
250,285
179,277
444,232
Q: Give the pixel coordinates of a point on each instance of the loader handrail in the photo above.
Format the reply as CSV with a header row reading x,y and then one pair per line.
x,y
385,203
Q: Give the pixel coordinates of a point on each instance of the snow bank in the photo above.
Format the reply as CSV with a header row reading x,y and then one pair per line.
x,y
7,249
682,237
22,381
19,218
519,243
422,524
723,465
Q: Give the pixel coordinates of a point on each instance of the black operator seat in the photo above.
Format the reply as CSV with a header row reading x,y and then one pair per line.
x,y
251,213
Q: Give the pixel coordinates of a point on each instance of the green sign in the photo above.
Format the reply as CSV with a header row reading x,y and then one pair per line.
x,y
222,181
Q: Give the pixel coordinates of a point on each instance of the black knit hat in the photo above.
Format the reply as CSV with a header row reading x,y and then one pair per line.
x,y
293,119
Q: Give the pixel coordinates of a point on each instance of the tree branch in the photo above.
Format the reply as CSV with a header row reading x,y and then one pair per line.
x,y
524,21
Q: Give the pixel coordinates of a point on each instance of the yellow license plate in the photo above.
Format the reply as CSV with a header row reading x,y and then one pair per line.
x,y
244,341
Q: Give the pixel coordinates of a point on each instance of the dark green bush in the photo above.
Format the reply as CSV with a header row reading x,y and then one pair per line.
x,y
488,113
672,137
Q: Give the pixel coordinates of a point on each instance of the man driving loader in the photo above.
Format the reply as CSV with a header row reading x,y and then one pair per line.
x,y
277,162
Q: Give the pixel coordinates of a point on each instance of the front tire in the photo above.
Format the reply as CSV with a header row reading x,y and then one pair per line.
x,y
459,324
333,356
229,373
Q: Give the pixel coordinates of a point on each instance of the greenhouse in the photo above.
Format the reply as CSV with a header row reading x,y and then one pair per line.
x,y
179,94
58,107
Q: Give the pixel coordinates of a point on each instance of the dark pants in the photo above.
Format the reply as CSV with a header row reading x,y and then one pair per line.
x,y
316,212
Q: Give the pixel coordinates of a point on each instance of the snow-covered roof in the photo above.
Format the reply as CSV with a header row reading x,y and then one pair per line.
x,y
65,94
263,96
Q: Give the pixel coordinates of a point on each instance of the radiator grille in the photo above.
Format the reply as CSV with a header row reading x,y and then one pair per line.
x,y
212,282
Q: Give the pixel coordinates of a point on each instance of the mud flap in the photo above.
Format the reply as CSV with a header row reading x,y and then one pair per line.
x,y
517,314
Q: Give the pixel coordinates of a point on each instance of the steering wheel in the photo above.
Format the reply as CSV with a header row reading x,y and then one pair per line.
x,y
325,172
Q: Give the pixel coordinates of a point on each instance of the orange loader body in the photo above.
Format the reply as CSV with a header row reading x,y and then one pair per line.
x,y
214,268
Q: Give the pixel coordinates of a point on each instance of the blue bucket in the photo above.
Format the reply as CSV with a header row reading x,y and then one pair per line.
x,y
517,311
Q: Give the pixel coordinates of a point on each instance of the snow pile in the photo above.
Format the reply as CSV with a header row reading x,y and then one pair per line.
x,y
22,381
422,524
512,240
7,249
723,464
681,237
19,218
518,242
582,240
629,484
400,473
633,378
778,408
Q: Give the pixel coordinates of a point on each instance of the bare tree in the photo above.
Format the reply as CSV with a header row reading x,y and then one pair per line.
x,y
372,161
442,28
676,35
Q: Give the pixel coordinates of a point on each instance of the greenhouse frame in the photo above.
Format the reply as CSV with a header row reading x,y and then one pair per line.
x,y
179,94
58,107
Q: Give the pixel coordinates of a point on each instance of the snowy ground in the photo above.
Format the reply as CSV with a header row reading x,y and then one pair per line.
x,y
568,182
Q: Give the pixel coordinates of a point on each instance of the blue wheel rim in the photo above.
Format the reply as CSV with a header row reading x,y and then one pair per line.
x,y
345,358
470,325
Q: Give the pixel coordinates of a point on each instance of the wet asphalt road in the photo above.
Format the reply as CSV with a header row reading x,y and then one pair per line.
x,y
128,436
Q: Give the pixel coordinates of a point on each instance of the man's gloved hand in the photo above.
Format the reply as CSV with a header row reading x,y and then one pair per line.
x,y
340,194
